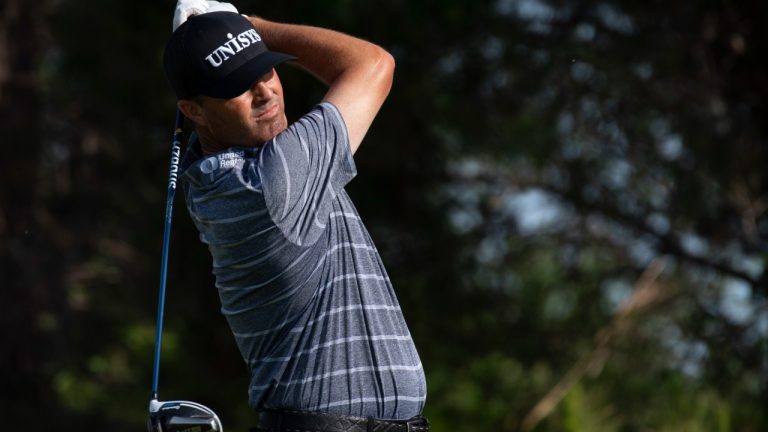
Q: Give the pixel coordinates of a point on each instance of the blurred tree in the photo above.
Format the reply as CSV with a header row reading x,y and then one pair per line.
x,y
30,236
591,137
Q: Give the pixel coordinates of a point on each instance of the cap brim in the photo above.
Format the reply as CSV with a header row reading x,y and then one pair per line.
x,y
241,80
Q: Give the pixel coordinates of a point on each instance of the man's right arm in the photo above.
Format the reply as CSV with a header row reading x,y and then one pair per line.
x,y
359,74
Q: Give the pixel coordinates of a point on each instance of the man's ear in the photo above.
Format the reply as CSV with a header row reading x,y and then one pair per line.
x,y
193,111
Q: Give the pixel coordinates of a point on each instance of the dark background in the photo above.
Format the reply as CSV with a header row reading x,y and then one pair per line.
x,y
570,198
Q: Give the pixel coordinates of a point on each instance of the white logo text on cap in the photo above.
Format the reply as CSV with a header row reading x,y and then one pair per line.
x,y
233,46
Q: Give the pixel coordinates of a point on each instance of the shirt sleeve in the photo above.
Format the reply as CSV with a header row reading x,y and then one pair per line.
x,y
303,169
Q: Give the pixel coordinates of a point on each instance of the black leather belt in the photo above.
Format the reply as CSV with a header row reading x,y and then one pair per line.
x,y
298,421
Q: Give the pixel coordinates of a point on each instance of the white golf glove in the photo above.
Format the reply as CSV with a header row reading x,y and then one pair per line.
x,y
187,8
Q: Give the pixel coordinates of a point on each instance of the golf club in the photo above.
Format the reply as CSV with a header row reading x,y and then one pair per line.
x,y
174,416
181,416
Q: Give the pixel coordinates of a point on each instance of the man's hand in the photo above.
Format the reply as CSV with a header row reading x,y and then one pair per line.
x,y
187,8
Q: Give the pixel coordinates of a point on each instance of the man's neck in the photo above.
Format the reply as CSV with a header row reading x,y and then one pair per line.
x,y
207,149
207,144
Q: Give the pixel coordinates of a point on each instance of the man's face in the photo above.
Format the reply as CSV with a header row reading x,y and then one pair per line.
x,y
250,119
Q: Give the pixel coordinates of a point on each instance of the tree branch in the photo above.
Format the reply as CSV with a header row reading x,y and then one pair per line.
x,y
647,293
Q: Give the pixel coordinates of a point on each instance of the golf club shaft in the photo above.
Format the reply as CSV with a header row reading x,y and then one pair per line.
x,y
172,178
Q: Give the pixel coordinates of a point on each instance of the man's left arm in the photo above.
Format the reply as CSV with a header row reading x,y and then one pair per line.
x,y
358,73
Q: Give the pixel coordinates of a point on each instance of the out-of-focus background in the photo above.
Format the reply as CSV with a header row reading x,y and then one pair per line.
x,y
570,198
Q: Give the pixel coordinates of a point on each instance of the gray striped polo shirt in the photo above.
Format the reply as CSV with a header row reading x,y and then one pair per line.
x,y
301,284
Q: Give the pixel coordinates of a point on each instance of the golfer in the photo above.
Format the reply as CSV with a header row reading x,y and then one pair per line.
x,y
301,283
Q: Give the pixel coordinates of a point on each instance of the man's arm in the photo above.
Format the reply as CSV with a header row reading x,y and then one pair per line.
x,y
358,73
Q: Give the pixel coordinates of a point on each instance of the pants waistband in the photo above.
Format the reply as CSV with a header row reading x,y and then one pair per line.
x,y
291,421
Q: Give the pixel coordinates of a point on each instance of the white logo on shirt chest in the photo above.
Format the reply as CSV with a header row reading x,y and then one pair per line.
x,y
224,160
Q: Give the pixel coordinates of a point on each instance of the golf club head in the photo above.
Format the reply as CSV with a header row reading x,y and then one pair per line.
x,y
182,416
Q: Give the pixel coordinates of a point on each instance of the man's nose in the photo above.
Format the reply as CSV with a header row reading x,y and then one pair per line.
x,y
259,90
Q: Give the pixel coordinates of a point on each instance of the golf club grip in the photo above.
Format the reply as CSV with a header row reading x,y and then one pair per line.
x,y
172,180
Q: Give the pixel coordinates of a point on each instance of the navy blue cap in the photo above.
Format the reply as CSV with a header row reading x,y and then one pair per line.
x,y
217,54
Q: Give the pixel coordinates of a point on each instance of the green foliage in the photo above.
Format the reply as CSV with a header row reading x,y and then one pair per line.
x,y
494,384
588,411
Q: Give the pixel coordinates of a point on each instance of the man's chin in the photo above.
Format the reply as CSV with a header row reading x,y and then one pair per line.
x,y
272,129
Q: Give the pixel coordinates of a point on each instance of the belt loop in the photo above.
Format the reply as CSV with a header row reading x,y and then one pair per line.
x,y
279,421
370,424
413,423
